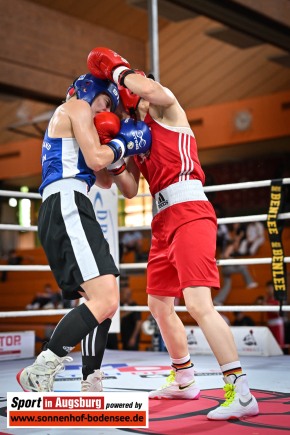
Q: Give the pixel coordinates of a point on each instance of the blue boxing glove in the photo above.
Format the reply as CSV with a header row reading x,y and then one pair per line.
x,y
133,138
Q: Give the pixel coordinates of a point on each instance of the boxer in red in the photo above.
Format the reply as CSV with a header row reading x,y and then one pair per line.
x,y
182,254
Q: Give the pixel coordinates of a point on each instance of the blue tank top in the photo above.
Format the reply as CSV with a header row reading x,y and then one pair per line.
x,y
62,158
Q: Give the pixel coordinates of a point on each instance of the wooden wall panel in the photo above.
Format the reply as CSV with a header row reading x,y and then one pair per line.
x,y
177,40
20,159
240,77
216,125
45,44
44,49
203,71
279,11
14,110
116,15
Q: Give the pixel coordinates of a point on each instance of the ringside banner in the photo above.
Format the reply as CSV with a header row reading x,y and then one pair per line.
x,y
275,228
17,345
105,204
77,410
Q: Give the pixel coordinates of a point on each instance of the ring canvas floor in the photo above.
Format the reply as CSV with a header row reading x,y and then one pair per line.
x,y
269,378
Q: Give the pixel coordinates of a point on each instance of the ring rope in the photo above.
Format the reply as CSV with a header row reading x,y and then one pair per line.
x,y
16,194
144,308
220,187
216,188
244,185
13,227
229,186
131,266
228,220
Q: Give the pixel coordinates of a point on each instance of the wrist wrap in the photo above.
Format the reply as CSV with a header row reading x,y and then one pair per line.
x,y
123,75
117,171
118,148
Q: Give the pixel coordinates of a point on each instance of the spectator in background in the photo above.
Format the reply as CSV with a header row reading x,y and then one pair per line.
x,y
46,299
232,251
260,300
255,237
274,321
131,241
130,321
242,320
14,259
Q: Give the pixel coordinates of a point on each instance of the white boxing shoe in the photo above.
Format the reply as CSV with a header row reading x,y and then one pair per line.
x,y
239,403
180,384
39,377
93,383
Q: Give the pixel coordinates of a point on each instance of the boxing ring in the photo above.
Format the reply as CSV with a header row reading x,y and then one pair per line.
x,y
127,371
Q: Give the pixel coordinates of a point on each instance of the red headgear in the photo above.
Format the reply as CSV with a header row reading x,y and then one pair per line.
x,y
129,99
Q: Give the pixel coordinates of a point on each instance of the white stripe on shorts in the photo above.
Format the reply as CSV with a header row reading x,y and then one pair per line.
x,y
81,248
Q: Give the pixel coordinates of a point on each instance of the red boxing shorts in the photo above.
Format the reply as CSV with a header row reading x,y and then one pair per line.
x,y
183,249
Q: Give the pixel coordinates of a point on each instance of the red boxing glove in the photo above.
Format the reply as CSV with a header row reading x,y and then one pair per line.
x,y
108,125
102,62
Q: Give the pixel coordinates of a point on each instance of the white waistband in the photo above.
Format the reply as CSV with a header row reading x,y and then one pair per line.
x,y
183,191
65,185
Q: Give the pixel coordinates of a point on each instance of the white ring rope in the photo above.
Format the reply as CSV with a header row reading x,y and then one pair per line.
x,y
134,266
220,187
15,194
145,309
245,185
216,188
14,227
230,186
228,220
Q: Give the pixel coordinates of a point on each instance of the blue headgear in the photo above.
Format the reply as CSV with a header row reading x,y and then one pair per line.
x,y
87,87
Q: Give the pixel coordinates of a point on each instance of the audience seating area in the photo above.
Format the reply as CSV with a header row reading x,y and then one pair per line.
x,y
20,287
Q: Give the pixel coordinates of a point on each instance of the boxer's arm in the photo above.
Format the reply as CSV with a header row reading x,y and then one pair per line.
x,y
107,63
103,179
150,90
128,180
163,103
97,156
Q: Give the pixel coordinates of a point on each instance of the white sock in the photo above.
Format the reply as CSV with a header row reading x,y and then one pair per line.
x,y
183,360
